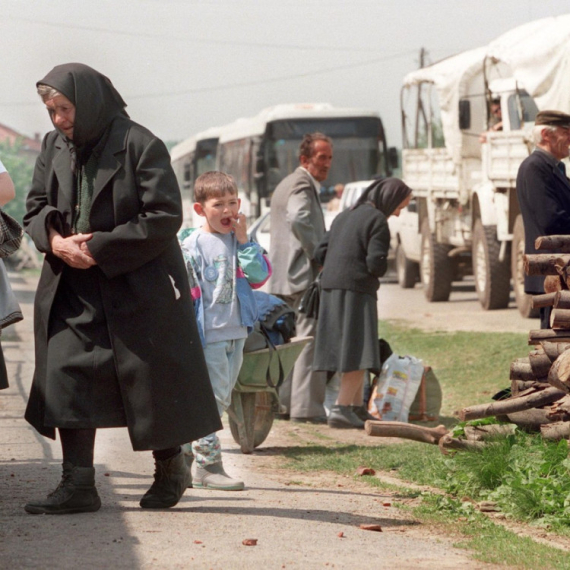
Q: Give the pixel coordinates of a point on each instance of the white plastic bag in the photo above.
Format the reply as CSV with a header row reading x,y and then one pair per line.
x,y
396,388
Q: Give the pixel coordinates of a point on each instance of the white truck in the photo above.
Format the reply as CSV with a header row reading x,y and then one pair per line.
x,y
468,218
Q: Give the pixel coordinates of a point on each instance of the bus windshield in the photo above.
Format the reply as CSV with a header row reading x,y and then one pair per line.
x,y
205,156
358,148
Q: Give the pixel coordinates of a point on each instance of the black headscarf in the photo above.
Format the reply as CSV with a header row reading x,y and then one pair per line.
x,y
96,102
385,194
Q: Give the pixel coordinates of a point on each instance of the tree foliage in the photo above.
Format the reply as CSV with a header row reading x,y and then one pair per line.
x,y
21,172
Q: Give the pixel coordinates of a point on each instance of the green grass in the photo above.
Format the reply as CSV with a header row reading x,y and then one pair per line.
x,y
425,465
488,541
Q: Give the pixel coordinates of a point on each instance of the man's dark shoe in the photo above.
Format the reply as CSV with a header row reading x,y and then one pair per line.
x,y
310,420
171,478
362,413
76,493
342,417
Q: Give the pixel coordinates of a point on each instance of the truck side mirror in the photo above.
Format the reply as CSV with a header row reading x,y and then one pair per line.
x,y
393,158
464,114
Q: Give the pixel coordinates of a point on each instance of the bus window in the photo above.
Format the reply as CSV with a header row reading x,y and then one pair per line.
x,y
187,174
206,156
358,149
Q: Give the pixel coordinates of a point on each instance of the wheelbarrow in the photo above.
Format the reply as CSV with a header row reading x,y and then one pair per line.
x,y
254,400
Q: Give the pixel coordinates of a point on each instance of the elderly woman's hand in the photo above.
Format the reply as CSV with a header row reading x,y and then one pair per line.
x,y
73,249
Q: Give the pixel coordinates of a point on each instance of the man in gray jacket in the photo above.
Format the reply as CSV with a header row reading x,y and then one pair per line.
x,y
297,226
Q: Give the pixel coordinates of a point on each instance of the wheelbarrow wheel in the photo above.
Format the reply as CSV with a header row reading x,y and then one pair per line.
x,y
258,419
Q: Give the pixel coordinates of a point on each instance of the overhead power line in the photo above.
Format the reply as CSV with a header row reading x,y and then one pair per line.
x,y
272,79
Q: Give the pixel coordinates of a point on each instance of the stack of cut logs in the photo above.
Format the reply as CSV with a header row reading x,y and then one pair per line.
x,y
540,383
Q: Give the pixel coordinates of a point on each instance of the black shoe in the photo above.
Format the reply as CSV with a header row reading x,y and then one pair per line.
x,y
171,478
362,413
76,493
342,417
310,420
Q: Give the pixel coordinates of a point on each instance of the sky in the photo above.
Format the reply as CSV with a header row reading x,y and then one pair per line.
x,y
183,66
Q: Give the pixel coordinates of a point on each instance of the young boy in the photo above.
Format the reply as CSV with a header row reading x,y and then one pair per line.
x,y
223,266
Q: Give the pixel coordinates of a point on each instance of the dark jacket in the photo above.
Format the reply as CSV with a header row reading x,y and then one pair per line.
x,y
135,214
544,198
354,252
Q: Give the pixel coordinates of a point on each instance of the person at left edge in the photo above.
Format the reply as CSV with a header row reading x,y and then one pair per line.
x,y
116,342
7,193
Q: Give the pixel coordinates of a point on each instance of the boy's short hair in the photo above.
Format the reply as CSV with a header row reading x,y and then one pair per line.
x,y
213,184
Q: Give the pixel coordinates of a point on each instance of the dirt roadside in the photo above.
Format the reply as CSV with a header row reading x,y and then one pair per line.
x,y
299,521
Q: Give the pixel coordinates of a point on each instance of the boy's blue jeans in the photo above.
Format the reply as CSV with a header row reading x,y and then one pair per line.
x,y
224,360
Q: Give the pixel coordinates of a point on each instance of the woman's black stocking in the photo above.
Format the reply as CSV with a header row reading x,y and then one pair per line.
x,y
163,454
78,446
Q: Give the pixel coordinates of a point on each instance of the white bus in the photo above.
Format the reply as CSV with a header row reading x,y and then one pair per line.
x,y
260,151
193,157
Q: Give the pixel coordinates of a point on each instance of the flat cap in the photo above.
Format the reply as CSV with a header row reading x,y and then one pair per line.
x,y
553,119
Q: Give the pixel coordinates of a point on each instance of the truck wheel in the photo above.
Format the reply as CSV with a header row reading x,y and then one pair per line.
x,y
407,270
492,276
517,271
436,268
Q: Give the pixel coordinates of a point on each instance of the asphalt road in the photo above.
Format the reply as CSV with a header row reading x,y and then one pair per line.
x,y
462,311
298,521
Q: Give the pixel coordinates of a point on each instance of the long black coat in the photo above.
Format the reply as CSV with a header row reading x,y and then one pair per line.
x,y
544,198
135,214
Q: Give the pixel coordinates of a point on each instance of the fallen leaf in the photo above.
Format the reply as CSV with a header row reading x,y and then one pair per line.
x,y
249,541
375,527
197,542
386,504
365,471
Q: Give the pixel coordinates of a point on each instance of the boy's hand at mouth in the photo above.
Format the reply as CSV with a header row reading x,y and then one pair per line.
x,y
239,226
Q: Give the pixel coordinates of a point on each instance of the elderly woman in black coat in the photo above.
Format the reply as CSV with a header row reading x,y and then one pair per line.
x,y
115,336
354,255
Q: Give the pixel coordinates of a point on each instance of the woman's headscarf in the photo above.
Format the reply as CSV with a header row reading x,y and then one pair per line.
x,y
386,194
96,101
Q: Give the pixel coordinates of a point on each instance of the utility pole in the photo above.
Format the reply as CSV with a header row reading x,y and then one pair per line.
x,y
420,107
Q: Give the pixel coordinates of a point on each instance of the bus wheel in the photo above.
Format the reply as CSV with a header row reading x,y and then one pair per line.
x,y
436,267
517,272
492,276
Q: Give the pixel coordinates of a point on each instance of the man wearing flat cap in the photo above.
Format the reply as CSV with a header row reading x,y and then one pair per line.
x,y
543,190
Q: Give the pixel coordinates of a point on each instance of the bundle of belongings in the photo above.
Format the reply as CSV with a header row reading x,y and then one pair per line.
x,y
405,390
275,323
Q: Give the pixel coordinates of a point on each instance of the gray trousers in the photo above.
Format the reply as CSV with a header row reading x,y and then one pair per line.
x,y
303,391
